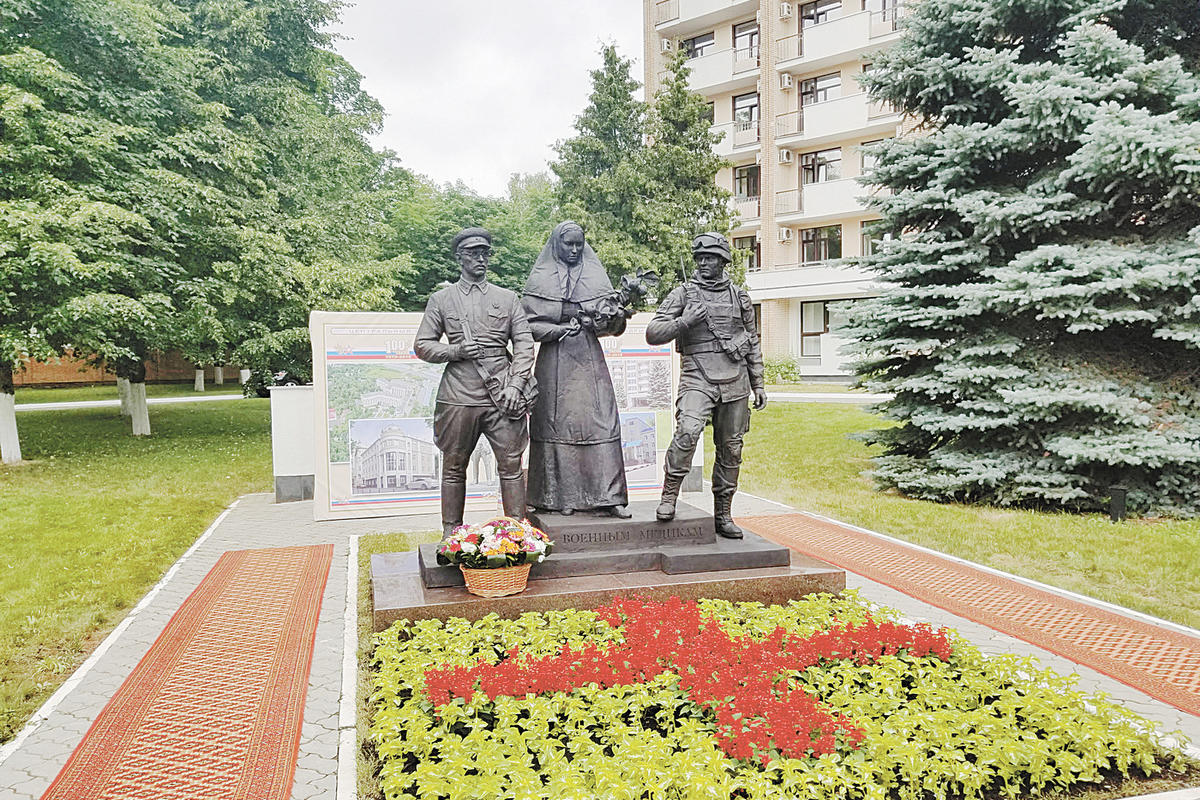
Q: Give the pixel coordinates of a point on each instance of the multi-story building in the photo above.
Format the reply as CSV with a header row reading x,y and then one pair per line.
x,y
781,81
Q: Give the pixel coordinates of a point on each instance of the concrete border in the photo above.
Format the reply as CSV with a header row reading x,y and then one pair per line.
x,y
347,758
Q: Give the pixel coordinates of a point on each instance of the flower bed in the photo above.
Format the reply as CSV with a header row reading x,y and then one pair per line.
x,y
825,697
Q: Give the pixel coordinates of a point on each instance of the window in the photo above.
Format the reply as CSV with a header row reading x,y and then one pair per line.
x,y
745,181
820,244
820,88
389,461
699,45
745,40
758,319
821,166
751,246
745,107
814,321
873,232
868,160
709,113
818,12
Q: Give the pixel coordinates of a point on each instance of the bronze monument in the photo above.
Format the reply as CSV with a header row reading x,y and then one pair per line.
x,y
712,323
575,457
485,389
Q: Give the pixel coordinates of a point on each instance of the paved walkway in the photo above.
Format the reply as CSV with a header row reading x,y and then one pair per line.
x,y
153,401
29,763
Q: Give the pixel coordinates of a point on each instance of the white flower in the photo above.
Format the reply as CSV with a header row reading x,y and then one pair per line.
x,y
467,547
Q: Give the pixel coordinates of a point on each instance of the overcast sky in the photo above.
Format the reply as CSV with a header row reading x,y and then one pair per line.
x,y
476,90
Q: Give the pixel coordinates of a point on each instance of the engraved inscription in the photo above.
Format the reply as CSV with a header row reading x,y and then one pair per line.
x,y
639,536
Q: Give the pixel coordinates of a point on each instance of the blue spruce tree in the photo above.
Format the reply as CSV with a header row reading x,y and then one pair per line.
x,y
1039,322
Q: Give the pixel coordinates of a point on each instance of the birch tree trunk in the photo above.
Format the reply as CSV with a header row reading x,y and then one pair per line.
x,y
199,384
135,373
138,408
123,393
10,444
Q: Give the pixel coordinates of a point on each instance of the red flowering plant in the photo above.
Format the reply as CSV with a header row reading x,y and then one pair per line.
x,y
823,697
762,710
500,542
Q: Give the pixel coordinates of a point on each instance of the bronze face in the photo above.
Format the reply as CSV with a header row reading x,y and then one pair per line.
x,y
474,262
709,266
569,247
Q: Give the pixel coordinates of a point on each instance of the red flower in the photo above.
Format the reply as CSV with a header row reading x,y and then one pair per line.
x,y
746,682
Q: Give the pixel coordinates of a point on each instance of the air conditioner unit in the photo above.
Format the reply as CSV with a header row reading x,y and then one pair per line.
x,y
785,156
785,234
786,80
667,45
785,10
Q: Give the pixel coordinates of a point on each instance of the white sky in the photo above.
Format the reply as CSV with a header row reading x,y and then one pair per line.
x,y
476,90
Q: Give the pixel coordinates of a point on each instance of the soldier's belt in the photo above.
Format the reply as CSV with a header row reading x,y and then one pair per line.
x,y
701,347
492,351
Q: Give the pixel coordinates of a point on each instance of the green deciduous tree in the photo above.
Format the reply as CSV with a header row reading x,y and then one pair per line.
x,y
1039,321
642,178
599,185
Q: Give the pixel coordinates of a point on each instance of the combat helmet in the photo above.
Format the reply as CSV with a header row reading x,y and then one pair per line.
x,y
713,243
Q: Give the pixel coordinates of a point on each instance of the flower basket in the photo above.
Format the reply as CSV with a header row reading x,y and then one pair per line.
x,y
496,582
495,556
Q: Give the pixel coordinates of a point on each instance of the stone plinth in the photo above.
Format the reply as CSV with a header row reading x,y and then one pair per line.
x,y
604,545
584,532
399,593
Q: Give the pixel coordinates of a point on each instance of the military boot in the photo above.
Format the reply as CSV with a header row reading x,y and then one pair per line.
x,y
454,496
670,494
512,497
723,516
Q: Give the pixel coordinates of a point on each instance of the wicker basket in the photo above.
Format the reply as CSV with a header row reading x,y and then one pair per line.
x,y
496,582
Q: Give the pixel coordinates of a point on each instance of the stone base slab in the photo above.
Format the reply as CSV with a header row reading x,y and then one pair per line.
x,y
586,531
721,554
400,593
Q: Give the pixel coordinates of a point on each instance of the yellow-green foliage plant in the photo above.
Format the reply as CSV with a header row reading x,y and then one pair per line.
x,y
934,728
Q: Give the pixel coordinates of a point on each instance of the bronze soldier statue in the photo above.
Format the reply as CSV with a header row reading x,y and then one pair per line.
x,y
712,322
485,389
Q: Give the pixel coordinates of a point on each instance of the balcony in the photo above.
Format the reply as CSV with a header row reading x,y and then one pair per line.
x,y
724,70
683,17
815,281
847,117
788,124
837,40
736,137
665,11
819,202
745,208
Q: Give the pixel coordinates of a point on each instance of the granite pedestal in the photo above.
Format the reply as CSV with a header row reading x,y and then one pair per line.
x,y
586,544
597,558
399,593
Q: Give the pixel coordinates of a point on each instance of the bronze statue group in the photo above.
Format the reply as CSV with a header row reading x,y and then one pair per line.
x,y
563,406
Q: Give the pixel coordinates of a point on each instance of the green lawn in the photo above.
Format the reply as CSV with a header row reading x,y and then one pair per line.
x,y
800,455
98,517
817,388
102,391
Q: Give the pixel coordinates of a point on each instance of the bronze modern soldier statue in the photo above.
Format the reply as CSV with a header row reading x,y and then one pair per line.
x,y
486,389
712,323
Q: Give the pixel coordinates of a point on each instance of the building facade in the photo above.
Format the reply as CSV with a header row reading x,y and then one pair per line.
x,y
781,78
396,461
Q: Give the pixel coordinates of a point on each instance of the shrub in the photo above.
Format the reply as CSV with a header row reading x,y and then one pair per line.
x,y
782,369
